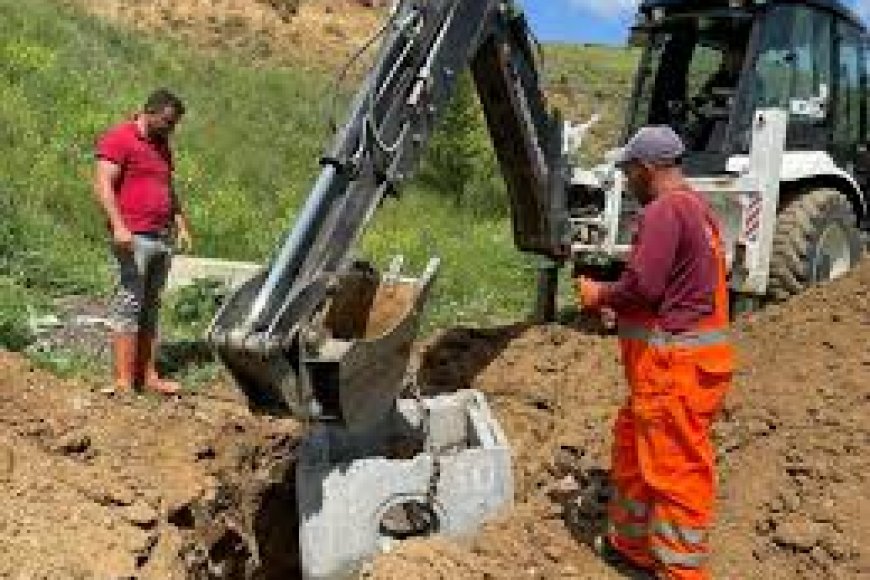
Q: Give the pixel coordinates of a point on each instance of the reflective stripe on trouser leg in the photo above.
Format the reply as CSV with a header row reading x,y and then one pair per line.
x,y
689,564
629,509
693,537
636,510
680,552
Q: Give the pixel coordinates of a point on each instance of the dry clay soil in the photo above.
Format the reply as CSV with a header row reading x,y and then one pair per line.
x,y
321,35
108,487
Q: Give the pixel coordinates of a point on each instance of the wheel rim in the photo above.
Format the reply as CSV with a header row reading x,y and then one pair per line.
x,y
833,253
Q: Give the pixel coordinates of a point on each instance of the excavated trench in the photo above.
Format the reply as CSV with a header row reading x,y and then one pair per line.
x,y
248,525
250,530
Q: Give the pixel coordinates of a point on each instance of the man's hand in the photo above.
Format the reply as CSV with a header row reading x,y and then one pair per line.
x,y
182,239
123,238
590,294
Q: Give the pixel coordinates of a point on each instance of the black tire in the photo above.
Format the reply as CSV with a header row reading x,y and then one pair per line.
x,y
799,258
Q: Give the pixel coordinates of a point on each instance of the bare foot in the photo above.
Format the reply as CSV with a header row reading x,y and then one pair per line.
x,y
160,386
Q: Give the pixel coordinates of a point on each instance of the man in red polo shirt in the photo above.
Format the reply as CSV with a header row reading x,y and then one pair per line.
x,y
133,184
672,309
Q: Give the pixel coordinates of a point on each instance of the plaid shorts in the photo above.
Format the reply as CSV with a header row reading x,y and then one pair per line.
x,y
143,273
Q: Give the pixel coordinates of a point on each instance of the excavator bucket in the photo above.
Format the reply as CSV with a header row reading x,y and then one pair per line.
x,y
350,362
357,366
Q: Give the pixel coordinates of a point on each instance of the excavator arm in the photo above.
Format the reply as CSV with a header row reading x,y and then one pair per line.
x,y
300,335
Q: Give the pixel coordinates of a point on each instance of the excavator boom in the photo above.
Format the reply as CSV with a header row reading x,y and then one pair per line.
x,y
277,334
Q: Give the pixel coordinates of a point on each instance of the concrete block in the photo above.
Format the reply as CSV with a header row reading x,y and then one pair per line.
x,y
186,270
360,493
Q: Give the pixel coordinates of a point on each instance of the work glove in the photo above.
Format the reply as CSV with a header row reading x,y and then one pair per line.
x,y
590,294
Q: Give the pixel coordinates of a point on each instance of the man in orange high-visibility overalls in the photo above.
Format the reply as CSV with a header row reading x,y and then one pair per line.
x,y
672,309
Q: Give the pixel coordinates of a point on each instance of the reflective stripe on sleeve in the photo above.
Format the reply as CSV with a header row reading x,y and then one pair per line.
x,y
663,339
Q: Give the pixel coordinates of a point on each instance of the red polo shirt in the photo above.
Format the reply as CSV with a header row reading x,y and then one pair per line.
x,y
143,190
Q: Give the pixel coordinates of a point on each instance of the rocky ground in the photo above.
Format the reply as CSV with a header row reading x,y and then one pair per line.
x,y
99,486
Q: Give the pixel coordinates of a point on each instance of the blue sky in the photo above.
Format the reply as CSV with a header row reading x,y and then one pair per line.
x,y
598,21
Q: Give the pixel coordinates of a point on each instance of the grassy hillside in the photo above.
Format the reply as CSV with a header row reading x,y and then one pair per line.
x,y
584,80
250,142
246,155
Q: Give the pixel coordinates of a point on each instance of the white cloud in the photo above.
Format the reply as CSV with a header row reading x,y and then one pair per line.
x,y
863,8
615,9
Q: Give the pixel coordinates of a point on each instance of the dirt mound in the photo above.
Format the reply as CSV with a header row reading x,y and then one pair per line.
x,y
793,441
313,33
109,487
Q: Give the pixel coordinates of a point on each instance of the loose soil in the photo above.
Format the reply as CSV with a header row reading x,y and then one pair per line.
x,y
124,486
97,486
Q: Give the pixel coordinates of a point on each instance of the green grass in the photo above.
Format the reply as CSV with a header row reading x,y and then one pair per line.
x,y
247,153
483,279
16,305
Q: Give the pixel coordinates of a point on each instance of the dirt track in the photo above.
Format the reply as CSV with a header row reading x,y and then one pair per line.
x,y
101,487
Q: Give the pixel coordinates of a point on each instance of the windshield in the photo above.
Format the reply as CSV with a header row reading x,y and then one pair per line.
x,y
689,76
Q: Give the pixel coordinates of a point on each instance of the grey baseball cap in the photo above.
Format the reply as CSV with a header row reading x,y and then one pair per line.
x,y
657,144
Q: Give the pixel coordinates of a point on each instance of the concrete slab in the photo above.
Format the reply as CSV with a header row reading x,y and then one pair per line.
x,y
188,269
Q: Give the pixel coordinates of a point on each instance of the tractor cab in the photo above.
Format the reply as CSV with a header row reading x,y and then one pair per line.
x,y
708,65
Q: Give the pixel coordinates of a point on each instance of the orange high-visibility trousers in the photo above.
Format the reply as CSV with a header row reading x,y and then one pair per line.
x,y
663,464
